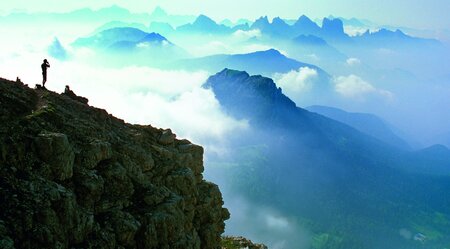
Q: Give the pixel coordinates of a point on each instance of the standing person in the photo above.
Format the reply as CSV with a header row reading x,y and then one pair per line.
x,y
44,67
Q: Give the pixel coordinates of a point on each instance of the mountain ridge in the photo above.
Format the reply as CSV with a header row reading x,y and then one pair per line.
x,y
75,176
367,123
327,174
264,62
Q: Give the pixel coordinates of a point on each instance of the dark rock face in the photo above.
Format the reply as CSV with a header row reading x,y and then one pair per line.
x,y
72,176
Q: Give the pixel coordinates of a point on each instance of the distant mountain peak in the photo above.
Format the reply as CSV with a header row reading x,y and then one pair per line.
x,y
333,26
271,51
280,24
233,73
262,20
278,20
266,54
304,25
204,20
158,12
152,37
119,35
248,96
304,19
386,33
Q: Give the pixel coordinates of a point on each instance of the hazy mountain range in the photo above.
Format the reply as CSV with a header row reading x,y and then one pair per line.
x,y
366,123
344,185
261,62
125,40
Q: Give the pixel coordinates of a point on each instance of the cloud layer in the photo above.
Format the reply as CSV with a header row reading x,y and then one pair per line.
x,y
355,87
297,83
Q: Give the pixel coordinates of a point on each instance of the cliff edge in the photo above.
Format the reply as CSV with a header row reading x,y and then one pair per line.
x,y
74,176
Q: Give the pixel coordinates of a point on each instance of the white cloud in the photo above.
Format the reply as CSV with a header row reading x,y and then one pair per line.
x,y
296,83
244,35
354,87
171,99
269,226
143,45
276,222
353,61
354,31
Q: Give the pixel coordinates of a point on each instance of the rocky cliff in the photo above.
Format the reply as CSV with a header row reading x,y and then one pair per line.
x,y
73,176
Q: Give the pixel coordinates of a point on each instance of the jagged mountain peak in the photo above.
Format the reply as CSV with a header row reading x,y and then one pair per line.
x,y
304,25
263,20
248,96
335,26
226,72
277,20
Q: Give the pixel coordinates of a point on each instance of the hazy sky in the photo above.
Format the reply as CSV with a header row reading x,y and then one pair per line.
x,y
412,13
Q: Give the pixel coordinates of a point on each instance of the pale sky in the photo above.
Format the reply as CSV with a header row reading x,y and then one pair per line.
x,y
432,14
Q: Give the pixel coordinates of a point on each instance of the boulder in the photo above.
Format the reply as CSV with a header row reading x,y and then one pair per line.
x,y
166,137
95,152
55,150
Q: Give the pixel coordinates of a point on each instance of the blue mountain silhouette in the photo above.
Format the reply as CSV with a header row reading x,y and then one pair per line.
x,y
367,123
204,25
121,38
261,62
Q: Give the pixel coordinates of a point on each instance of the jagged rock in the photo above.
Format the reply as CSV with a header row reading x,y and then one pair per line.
x,y
167,137
230,242
55,150
90,187
69,93
95,152
72,176
124,226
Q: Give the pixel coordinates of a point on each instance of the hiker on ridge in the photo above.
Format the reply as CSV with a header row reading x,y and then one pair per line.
x,y
44,67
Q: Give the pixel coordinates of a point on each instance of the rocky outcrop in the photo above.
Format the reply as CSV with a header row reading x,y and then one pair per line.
x,y
73,176
230,242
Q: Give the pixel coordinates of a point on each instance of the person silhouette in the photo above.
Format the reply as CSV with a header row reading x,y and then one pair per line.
x,y
44,67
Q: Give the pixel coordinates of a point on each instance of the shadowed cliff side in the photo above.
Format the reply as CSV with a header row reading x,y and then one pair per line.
x,y
73,176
